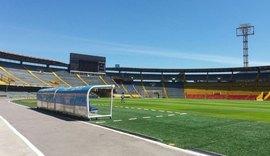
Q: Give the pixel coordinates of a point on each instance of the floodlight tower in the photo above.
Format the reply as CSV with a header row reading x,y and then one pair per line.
x,y
245,30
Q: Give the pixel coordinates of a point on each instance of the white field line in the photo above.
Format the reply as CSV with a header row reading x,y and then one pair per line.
x,y
159,116
146,117
132,119
154,110
27,142
117,120
171,144
185,152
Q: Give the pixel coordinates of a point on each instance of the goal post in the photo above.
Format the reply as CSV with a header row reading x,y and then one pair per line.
x,y
152,94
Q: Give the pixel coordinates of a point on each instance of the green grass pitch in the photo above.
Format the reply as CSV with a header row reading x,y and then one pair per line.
x,y
227,127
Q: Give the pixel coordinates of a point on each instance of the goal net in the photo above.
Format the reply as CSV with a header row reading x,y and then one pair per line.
x,y
152,94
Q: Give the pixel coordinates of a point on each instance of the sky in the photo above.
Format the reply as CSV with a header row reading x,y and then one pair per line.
x,y
137,33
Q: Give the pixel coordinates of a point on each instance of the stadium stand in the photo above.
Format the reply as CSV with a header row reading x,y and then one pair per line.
x,y
80,77
125,89
175,89
36,77
20,74
90,79
96,80
222,90
266,96
60,79
119,88
139,88
110,81
69,78
86,78
154,88
46,76
216,83
17,73
212,83
129,88
102,79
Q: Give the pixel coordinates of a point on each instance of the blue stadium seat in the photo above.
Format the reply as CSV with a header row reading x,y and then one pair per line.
x,y
93,109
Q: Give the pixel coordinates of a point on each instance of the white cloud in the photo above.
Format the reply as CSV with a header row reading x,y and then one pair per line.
x,y
125,49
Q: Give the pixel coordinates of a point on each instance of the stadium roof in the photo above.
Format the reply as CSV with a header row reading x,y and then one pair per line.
x,y
12,56
200,70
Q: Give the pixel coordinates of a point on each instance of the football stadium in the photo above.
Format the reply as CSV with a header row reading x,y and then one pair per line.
x,y
86,103
210,111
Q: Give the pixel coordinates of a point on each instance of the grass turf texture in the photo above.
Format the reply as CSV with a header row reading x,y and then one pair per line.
x,y
27,102
224,126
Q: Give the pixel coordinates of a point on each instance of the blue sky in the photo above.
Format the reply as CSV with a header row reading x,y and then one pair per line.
x,y
137,33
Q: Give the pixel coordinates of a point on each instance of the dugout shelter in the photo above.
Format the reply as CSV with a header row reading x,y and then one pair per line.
x,y
73,101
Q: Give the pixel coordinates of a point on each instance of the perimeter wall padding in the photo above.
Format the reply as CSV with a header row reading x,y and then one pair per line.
x,y
226,90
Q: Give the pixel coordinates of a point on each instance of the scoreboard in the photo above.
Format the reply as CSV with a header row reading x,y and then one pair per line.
x,y
87,63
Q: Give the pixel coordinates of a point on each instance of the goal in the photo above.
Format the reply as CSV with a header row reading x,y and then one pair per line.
x,y
152,94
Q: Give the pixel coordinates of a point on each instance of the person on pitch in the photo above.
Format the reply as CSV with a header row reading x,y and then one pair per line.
x,y
123,97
